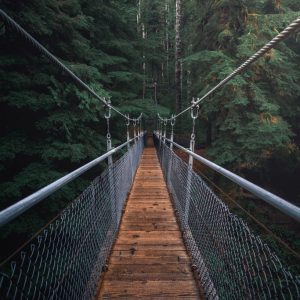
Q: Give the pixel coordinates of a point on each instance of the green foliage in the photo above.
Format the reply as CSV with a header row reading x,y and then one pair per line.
x,y
249,118
49,124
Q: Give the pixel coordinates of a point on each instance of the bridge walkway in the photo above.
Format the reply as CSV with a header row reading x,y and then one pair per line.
x,y
149,259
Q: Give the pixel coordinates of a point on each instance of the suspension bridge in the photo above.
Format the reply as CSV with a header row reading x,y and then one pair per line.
x,y
149,226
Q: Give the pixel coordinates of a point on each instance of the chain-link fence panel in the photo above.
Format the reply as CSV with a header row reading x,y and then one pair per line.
x,y
66,260
232,262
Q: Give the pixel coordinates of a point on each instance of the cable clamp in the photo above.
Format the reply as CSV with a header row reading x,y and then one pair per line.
x,y
195,109
127,120
108,107
173,120
193,136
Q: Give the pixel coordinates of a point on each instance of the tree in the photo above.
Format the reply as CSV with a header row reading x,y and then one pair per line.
x,y
245,111
49,125
178,56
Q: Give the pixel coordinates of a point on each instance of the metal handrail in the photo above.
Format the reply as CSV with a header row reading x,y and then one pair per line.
x,y
23,205
281,204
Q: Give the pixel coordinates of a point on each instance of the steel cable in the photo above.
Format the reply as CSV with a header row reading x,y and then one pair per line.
x,y
12,23
293,27
231,260
66,259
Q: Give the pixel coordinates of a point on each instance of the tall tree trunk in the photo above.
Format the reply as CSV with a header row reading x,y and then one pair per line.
x,y
188,85
138,16
141,30
144,61
189,77
178,54
167,42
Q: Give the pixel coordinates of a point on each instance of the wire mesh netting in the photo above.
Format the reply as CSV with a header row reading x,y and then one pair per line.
x,y
232,262
66,260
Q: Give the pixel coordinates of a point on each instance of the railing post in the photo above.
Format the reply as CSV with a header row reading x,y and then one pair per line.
x,y
129,149
160,132
127,131
194,115
192,148
171,150
138,128
110,167
172,132
141,131
134,130
109,147
108,135
164,132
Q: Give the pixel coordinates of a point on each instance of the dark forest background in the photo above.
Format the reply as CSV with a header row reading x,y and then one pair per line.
x,y
126,50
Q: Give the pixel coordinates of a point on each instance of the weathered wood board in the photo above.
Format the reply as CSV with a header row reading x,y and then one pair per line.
x,y
149,259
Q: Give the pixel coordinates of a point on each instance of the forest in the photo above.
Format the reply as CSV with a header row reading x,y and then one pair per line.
x,y
150,57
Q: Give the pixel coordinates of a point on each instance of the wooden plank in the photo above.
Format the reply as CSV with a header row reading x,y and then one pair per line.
x,y
129,246
146,288
148,215
150,269
148,253
162,260
149,242
148,226
149,206
165,209
142,199
158,235
149,259
133,275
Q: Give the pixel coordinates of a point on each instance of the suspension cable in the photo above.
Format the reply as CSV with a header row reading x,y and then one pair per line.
x,y
284,206
11,22
293,27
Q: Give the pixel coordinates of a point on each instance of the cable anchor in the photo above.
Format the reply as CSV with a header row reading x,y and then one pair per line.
x,y
173,120
195,109
108,109
107,116
127,120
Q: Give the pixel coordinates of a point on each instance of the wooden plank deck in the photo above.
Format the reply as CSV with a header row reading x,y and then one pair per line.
x,y
149,259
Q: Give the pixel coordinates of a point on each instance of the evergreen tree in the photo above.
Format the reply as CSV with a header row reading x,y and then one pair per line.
x,y
126,50
178,56
49,124
248,109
